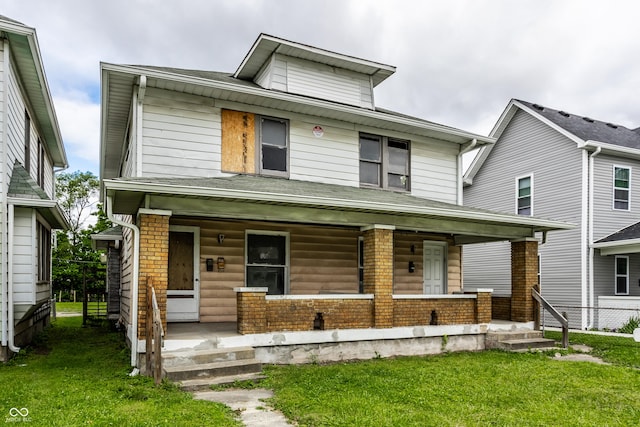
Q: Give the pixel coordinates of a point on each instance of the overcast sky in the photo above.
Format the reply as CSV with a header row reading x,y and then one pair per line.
x,y
459,62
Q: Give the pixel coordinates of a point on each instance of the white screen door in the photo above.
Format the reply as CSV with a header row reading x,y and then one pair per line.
x,y
433,271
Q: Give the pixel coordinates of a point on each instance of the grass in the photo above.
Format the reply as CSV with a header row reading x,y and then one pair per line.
x,y
74,376
69,307
620,351
463,389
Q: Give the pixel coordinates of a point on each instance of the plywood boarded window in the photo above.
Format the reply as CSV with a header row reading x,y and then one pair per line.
x,y
238,142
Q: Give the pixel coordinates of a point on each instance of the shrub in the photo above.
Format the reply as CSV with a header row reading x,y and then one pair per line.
x,y
631,325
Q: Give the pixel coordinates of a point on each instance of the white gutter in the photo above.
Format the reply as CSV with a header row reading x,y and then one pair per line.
x,y
591,287
459,178
133,311
4,278
10,315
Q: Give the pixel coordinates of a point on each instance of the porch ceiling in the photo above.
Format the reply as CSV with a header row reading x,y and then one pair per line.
x,y
273,199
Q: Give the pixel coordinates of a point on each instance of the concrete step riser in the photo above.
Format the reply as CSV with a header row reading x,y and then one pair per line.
x,y
527,345
520,335
190,359
209,371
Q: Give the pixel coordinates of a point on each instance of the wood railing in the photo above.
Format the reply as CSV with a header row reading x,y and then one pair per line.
x,y
560,317
154,333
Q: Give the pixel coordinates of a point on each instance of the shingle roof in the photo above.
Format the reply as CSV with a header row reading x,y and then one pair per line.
x,y
628,233
587,128
23,186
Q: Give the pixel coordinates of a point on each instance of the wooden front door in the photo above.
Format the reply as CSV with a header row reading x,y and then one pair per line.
x,y
434,268
183,290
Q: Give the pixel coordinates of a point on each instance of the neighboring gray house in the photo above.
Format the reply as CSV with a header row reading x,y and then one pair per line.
x,y
559,165
30,148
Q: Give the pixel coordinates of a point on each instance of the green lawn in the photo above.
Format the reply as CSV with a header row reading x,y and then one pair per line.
x,y
76,376
491,388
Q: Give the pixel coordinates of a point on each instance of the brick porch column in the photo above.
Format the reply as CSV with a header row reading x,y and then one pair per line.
x,y
524,276
252,310
483,305
378,272
154,262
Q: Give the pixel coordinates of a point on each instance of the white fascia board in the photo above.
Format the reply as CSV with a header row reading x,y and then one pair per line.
x,y
611,148
225,193
297,99
615,243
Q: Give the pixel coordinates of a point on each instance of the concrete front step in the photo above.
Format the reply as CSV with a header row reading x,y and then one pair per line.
x,y
214,369
195,357
517,340
206,383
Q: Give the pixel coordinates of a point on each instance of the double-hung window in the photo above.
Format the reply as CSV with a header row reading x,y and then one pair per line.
x,y
267,261
524,195
384,162
622,275
43,241
274,146
621,185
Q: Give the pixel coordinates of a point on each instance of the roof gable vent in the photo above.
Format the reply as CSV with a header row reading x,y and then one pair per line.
x,y
538,107
612,126
587,119
563,113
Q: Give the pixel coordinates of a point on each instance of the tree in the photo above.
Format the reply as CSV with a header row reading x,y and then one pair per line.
x,y
74,260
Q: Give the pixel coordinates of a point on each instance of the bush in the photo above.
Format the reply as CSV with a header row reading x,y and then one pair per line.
x,y
631,325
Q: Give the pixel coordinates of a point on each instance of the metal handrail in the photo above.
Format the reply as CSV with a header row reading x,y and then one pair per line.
x,y
560,317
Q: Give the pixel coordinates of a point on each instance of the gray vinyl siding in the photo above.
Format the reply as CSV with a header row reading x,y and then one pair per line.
x,y
606,219
23,256
15,123
529,147
604,275
434,170
273,74
498,278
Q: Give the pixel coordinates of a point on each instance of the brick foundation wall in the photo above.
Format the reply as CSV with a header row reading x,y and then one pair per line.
x,y
299,315
154,263
501,308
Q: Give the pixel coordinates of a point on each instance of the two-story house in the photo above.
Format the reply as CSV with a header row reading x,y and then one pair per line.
x,y
30,148
573,168
280,198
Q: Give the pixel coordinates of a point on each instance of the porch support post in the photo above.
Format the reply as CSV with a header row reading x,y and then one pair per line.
x,y
252,310
524,276
483,301
378,272
154,261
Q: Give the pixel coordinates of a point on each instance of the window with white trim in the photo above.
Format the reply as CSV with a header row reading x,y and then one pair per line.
x,y
384,162
267,261
622,275
43,242
524,195
621,186
361,265
274,146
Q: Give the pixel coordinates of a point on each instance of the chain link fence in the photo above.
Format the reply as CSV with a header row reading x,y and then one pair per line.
x,y
607,319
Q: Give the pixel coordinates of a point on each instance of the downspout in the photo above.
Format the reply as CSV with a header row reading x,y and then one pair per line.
x,y
134,280
591,290
4,277
10,321
460,176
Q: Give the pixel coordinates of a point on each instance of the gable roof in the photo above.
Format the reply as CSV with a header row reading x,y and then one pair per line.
x,y
265,46
28,62
586,132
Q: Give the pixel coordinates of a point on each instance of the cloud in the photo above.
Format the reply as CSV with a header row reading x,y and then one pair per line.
x,y
79,120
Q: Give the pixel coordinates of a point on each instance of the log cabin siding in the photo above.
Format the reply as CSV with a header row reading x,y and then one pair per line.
x,y
323,260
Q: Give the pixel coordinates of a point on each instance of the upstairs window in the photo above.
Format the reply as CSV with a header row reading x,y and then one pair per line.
x,y
384,162
41,164
621,185
274,146
524,198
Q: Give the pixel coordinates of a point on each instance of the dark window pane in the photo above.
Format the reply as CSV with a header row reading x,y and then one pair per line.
x,y
370,148
621,205
621,266
524,211
274,158
369,173
274,132
267,277
398,181
621,285
266,249
524,202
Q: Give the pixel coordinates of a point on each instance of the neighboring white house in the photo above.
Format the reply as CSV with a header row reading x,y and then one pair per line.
x,y
285,178
569,167
30,149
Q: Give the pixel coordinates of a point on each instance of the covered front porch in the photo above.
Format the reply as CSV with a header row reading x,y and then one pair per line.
x,y
296,263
